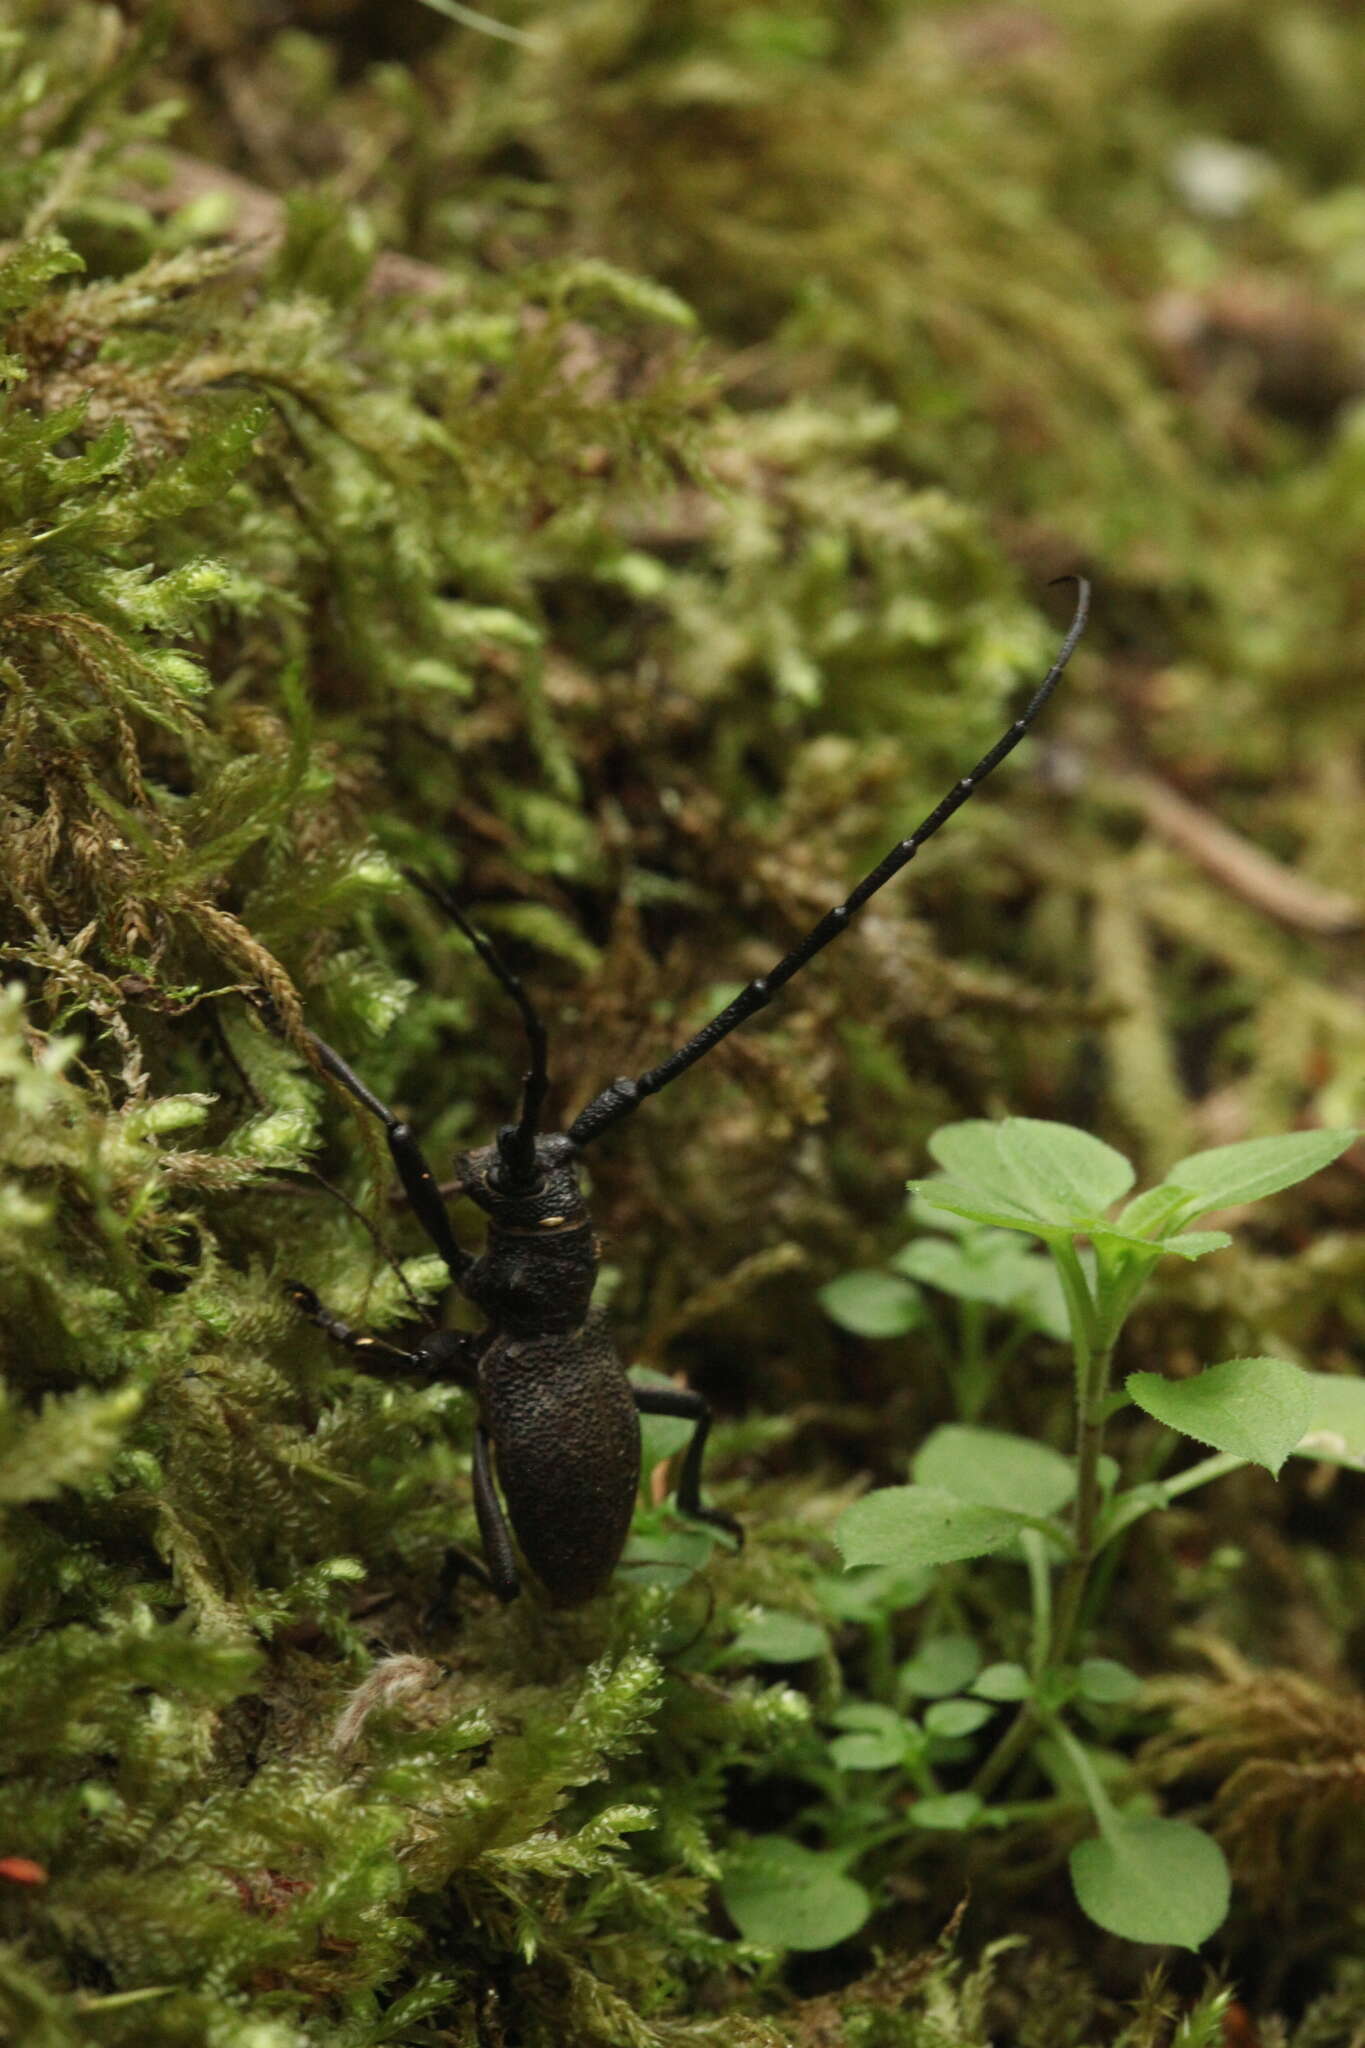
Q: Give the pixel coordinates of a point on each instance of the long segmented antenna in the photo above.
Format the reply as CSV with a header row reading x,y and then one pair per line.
x,y
623,1095
517,1142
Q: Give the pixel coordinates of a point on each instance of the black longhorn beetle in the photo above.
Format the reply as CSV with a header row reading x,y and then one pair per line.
x,y
558,1417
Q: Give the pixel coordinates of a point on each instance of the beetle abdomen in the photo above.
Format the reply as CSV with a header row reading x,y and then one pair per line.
x,y
566,1437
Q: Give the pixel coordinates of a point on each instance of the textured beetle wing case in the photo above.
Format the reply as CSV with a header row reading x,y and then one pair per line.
x,y
566,1437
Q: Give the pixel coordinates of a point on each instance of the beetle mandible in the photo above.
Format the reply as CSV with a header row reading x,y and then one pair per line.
x,y
558,1430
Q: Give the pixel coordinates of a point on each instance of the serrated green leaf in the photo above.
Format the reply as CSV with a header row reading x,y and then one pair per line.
x,y
945,1263
1335,1431
922,1525
1184,1244
868,1593
994,1469
1256,1408
1153,1880
970,1151
1247,1172
980,1205
1068,1174
1195,1244
1025,1174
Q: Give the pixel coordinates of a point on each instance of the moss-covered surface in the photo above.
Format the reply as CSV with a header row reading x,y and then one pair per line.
x,y
616,470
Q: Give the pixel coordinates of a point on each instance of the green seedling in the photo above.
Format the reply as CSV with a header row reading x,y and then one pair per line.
x,y
976,1491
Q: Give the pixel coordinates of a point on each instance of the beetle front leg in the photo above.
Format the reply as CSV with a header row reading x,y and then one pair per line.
x,y
441,1354
682,1401
419,1182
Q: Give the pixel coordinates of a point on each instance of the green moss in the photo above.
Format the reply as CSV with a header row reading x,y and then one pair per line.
x,y
616,470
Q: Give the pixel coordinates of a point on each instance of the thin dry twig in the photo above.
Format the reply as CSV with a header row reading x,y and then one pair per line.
x,y
1246,870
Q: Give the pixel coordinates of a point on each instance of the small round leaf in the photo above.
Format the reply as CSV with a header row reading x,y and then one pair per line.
x,y
769,1637
781,1895
1002,1682
1153,1880
877,1737
872,1303
948,1810
949,1719
1107,1683
941,1665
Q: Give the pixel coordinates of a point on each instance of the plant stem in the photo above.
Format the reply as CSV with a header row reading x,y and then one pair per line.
x,y
1092,1340
1089,1445
1215,1467
1040,1585
1099,1801
1007,1751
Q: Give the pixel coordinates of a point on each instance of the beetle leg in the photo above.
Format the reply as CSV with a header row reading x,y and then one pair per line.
x,y
419,1182
499,1575
440,1354
497,1537
682,1401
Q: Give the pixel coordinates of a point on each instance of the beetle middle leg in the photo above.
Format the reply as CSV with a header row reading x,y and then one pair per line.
x,y
683,1402
448,1355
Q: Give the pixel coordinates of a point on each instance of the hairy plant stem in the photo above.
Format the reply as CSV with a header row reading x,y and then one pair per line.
x,y
1092,1337
1089,1445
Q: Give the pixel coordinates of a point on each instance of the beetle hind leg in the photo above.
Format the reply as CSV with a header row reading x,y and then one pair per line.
x,y
499,1562
692,1408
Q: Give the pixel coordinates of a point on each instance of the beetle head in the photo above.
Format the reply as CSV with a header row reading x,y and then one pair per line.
x,y
547,1198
